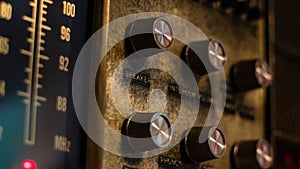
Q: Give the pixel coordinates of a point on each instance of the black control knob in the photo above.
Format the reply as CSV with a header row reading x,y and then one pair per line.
x,y
150,33
194,151
256,154
148,131
247,75
205,56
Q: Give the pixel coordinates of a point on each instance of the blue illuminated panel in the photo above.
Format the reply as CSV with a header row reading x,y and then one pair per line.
x,y
39,44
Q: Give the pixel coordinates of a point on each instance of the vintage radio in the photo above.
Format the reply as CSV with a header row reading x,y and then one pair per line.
x,y
136,84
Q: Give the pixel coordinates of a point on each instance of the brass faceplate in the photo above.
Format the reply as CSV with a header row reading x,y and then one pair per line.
x,y
242,42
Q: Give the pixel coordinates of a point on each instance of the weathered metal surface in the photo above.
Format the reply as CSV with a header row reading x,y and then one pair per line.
x,y
244,115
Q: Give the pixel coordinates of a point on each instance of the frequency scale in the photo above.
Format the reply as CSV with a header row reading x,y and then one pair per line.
x,y
39,44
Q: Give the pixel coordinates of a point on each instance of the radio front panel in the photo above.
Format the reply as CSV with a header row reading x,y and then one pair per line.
x,y
153,90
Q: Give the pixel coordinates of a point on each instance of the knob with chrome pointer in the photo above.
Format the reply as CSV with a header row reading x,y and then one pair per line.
x,y
148,131
193,150
256,154
205,56
247,75
150,33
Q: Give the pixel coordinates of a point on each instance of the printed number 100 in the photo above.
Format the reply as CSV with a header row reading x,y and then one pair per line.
x,y
69,9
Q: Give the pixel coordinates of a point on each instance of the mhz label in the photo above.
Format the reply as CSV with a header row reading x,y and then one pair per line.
x,y
61,143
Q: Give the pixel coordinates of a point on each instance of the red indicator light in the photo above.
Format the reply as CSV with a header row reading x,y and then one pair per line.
x,y
29,164
288,159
